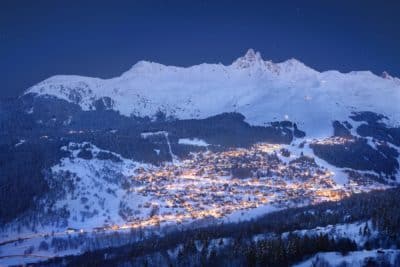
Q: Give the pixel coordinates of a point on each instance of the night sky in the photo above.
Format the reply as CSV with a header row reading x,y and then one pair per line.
x,y
39,39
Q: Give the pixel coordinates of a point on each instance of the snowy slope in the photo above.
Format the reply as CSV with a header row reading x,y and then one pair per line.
x,y
262,91
94,192
348,230
352,259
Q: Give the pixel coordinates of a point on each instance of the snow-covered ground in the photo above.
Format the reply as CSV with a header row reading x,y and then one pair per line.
x,y
93,191
352,259
14,253
192,142
262,91
338,174
98,193
353,231
146,135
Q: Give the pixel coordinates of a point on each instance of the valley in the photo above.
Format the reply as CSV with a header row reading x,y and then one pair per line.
x,y
162,158
208,187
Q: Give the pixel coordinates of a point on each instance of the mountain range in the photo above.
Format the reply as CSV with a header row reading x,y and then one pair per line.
x,y
261,90
98,164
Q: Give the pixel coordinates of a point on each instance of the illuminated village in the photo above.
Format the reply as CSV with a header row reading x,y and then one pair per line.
x,y
217,184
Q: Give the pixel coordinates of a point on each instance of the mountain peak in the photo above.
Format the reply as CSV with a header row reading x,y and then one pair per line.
x,y
293,64
144,64
143,67
252,55
249,59
386,75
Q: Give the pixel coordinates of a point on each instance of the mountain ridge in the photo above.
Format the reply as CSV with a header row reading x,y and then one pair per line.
x,y
261,90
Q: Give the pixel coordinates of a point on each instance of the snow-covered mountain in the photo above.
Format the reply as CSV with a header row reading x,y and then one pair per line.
x,y
98,163
263,91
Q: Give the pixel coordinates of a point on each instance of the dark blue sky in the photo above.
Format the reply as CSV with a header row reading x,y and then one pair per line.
x,y
43,38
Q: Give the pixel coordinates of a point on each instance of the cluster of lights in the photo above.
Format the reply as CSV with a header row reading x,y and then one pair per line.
x,y
203,186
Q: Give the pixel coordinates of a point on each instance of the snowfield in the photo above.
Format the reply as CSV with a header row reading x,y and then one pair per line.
x,y
262,91
192,142
353,259
352,231
98,193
